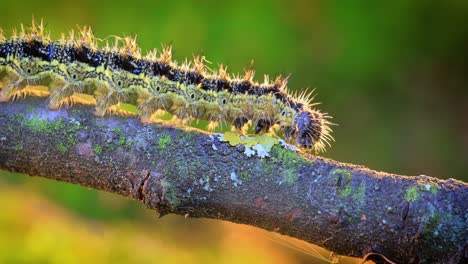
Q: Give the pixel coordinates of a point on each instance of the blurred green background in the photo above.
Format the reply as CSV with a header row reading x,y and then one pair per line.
x,y
394,75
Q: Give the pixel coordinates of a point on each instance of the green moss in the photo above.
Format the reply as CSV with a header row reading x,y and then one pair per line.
x,y
170,195
343,182
346,191
290,177
19,147
164,141
76,111
429,187
432,223
129,143
290,162
36,125
360,194
343,177
64,132
244,175
97,149
122,141
412,194
117,130
349,219
62,148
287,156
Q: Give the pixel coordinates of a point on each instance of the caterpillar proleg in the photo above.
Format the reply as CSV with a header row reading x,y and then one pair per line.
x,y
121,74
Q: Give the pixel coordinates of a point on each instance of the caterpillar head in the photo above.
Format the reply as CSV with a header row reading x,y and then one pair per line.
x,y
311,130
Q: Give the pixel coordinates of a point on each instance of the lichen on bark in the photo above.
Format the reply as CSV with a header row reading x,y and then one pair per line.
x,y
348,209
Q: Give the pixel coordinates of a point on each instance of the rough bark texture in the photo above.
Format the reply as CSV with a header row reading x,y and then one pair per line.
x,y
348,209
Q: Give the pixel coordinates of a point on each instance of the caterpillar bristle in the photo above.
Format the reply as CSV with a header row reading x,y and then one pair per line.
x,y
199,66
280,82
14,34
36,31
118,74
152,55
249,75
166,54
222,72
131,47
86,38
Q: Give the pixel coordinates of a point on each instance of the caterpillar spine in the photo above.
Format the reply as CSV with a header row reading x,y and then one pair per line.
x,y
119,73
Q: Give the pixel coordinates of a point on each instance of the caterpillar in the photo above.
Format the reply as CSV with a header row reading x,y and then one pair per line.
x,y
155,83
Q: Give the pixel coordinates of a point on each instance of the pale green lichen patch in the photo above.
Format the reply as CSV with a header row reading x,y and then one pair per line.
x,y
412,194
257,145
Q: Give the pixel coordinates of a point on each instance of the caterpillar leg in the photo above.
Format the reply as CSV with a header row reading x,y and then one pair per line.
x,y
104,103
263,125
239,124
212,125
61,96
152,106
146,111
180,121
12,86
2,73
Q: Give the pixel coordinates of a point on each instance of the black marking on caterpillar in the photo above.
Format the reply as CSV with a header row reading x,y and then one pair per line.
x,y
120,74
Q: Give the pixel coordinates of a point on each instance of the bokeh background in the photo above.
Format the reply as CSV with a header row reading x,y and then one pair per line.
x,y
394,75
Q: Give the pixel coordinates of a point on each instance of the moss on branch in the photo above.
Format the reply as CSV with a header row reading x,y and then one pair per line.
x,y
348,209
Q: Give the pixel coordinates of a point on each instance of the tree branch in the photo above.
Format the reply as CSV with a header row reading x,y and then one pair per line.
x,y
348,209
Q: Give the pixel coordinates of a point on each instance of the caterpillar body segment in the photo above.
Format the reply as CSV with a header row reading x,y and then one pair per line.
x,y
160,95
69,79
155,84
18,74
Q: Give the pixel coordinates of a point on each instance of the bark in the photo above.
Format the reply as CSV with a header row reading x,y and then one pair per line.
x,y
345,208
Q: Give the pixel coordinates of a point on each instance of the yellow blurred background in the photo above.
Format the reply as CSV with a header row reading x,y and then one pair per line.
x,y
393,74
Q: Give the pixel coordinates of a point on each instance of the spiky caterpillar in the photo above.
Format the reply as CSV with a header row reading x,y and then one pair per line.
x,y
120,74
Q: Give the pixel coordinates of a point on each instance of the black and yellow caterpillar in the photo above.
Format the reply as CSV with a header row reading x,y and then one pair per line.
x,y
120,74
